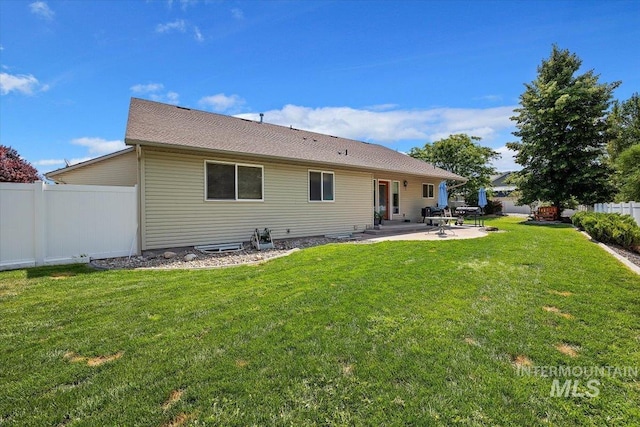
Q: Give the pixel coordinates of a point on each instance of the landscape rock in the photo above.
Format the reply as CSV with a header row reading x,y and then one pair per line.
x,y
190,257
151,259
169,255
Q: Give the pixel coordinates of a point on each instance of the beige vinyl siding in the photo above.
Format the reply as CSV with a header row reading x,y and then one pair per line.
x,y
411,201
175,212
118,170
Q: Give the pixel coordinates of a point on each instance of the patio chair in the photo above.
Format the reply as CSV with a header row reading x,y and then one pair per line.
x,y
446,222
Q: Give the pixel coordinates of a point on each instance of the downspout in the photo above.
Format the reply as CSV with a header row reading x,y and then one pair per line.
x,y
140,189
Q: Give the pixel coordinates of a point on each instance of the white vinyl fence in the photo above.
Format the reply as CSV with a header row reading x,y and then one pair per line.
x,y
43,224
628,208
509,206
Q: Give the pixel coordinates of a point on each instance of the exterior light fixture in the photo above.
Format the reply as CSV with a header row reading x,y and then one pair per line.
x,y
405,183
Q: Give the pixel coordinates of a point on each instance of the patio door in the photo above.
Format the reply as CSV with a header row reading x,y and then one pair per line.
x,y
383,199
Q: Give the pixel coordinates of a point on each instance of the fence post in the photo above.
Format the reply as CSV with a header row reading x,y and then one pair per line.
x,y
634,211
39,232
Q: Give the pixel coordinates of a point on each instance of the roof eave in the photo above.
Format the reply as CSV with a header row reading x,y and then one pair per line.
x,y
87,162
133,142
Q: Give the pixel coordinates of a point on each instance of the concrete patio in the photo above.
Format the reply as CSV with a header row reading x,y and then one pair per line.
x,y
419,231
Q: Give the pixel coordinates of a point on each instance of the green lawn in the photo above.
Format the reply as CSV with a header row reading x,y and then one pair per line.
x,y
395,333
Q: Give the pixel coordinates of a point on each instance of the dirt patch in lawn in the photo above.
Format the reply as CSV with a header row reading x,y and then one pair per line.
x,y
561,293
471,341
557,311
567,349
240,363
347,369
74,357
61,275
521,360
179,420
173,398
485,298
91,361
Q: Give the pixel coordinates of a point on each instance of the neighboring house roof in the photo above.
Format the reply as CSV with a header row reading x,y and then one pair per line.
x,y
65,169
156,124
498,182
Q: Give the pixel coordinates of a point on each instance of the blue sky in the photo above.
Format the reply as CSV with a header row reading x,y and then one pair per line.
x,y
399,73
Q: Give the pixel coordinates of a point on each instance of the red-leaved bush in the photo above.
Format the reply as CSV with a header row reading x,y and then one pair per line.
x,y
13,168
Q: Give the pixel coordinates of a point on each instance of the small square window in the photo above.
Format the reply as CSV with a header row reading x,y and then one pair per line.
x,y
427,191
321,186
230,181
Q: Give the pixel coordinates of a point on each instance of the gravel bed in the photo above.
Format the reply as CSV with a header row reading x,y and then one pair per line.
x,y
155,259
631,256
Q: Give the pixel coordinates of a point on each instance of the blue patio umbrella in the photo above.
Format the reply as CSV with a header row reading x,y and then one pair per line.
x,y
443,196
482,197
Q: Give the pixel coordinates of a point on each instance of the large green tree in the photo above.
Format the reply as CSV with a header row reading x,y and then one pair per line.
x,y
562,127
628,174
461,154
624,126
624,147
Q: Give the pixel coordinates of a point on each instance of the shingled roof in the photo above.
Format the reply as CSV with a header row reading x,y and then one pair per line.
x,y
157,124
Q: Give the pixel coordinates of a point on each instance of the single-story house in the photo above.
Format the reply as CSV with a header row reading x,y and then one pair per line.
x,y
504,192
206,178
500,186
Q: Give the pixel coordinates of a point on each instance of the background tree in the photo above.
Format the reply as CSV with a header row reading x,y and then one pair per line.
x,y
562,127
624,147
461,154
624,126
14,168
628,173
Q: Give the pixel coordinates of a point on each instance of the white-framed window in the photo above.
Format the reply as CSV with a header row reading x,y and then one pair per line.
x,y
321,186
395,195
233,181
427,191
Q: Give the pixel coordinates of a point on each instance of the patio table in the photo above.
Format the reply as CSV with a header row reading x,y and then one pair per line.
x,y
441,222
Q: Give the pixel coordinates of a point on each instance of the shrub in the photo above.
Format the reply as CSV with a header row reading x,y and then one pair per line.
x,y
618,229
493,207
577,218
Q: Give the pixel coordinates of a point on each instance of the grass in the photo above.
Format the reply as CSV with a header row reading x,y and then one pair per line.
x,y
395,333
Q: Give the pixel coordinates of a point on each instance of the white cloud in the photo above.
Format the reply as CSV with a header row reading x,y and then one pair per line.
x,y
41,9
490,98
507,162
96,147
77,160
24,83
177,25
187,3
49,162
237,13
381,107
394,125
99,146
155,92
197,34
147,88
61,162
172,98
183,3
222,102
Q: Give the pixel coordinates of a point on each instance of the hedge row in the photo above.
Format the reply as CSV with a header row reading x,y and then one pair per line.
x,y
609,228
